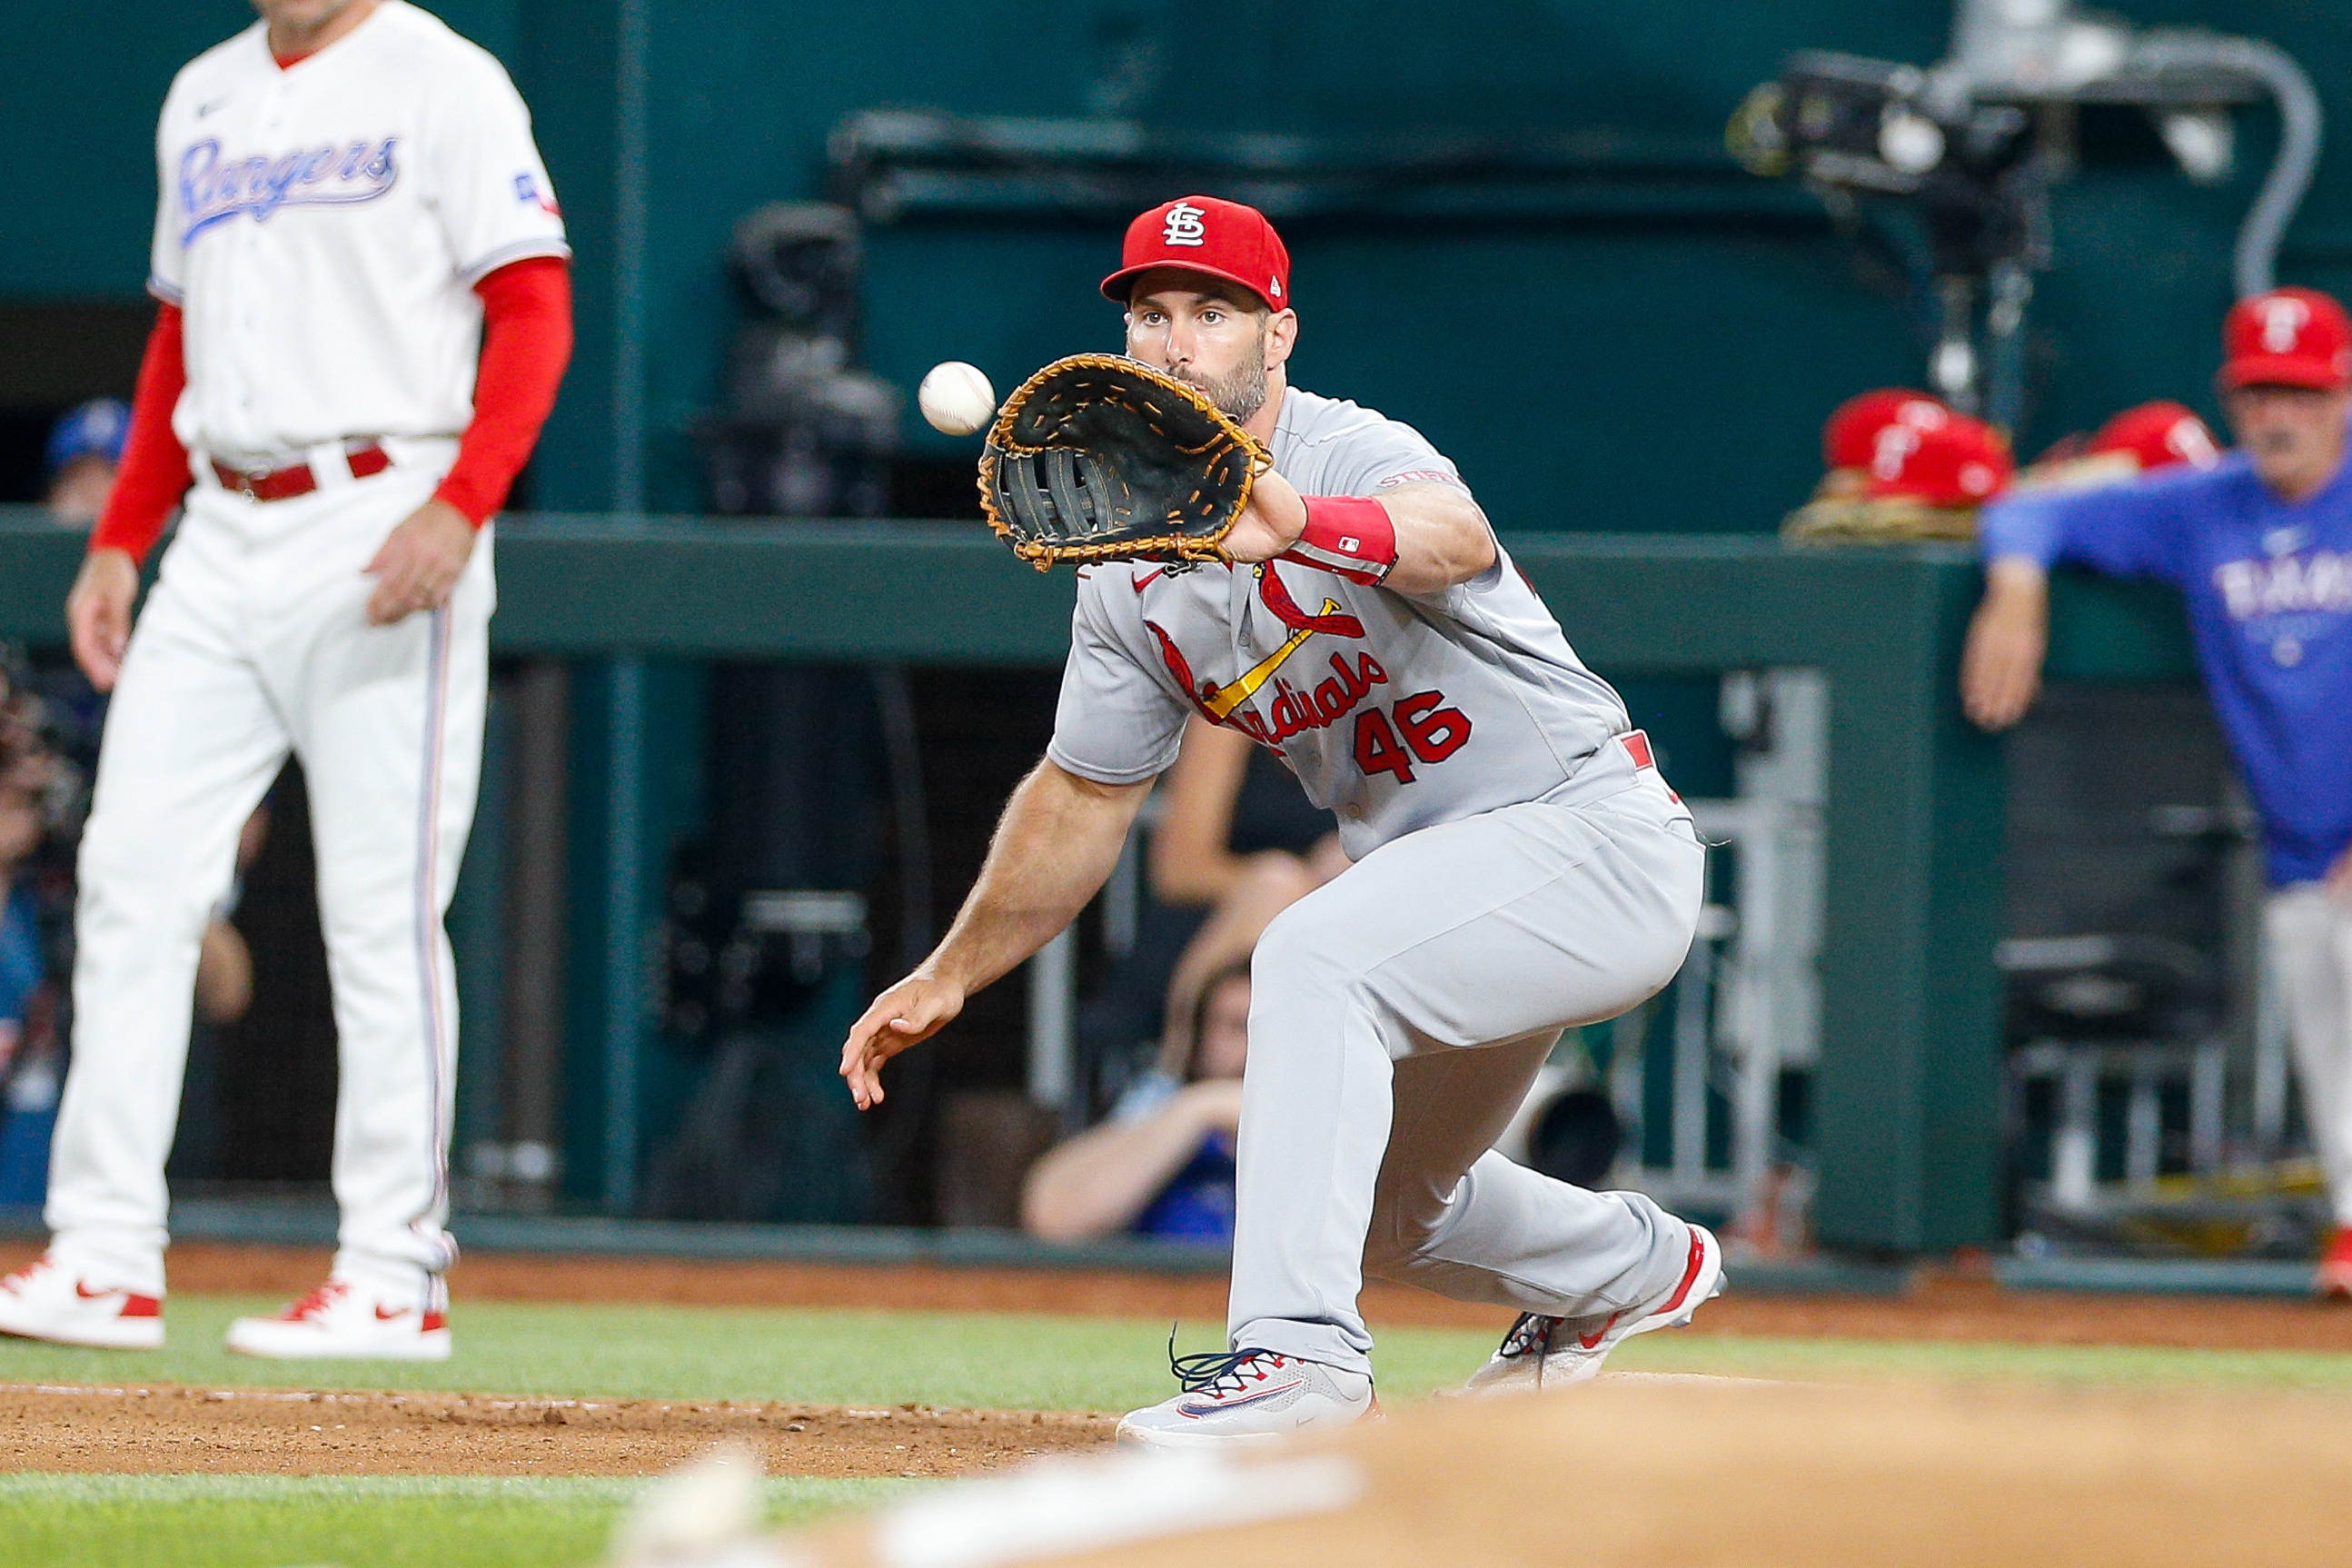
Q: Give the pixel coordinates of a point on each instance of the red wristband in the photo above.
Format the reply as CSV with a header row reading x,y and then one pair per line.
x,y
1350,535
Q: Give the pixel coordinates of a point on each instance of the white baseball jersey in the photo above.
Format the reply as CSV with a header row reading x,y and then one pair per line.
x,y
1397,712
322,226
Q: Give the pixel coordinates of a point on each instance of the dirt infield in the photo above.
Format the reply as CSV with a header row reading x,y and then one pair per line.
x,y
163,1428
1939,1307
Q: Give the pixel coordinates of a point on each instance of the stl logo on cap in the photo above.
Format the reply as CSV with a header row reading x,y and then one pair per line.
x,y
1206,235
1184,225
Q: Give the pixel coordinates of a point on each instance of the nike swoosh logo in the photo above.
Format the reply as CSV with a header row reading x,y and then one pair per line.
x,y
1214,1406
87,1294
384,1317
205,109
1145,581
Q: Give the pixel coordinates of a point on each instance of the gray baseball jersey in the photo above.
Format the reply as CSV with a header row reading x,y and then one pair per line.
x,y
1397,712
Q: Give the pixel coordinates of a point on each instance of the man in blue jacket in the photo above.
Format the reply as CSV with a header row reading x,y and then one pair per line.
x,y
2261,548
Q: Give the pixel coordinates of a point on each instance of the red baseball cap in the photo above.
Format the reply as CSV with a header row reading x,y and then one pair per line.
x,y
1850,439
1201,234
2158,434
2288,337
1960,462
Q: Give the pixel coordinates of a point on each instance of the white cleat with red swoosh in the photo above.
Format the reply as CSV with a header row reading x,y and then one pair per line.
x,y
42,1301
1543,1351
343,1321
1247,1396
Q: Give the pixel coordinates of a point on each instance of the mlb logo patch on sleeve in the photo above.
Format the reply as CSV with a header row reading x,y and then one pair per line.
x,y
527,190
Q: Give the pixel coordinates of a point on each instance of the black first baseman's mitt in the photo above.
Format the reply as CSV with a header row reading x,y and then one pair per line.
x,y
1100,458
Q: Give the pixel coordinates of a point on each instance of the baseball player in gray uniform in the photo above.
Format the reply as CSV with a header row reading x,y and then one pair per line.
x,y
1520,867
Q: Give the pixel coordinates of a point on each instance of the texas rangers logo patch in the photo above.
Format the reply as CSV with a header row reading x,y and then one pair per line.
x,y
214,189
527,189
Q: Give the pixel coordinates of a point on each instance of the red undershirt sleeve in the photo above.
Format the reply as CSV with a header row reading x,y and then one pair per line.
x,y
153,474
526,343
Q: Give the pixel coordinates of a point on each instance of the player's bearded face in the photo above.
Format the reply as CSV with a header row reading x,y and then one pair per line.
x,y
1206,340
1240,391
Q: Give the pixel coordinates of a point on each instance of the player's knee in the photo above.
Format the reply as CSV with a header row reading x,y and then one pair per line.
x,y
1401,1232
1303,944
131,877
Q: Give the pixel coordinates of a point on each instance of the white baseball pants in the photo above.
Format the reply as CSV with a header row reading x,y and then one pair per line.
x,y
1398,1015
2310,936
254,644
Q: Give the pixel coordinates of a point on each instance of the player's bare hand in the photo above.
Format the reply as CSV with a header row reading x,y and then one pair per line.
x,y
98,614
908,1012
419,565
1270,524
2001,666
2340,879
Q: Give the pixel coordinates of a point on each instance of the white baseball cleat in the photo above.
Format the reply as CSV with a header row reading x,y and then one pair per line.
x,y
42,1301
342,1321
1543,1351
1247,1396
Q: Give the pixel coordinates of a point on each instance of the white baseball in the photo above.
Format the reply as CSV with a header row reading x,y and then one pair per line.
x,y
956,398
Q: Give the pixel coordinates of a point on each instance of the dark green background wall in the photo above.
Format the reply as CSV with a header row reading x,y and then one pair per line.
x,y
1624,373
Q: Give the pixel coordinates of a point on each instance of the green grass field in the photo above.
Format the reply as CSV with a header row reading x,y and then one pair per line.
x,y
1001,1361
382,1522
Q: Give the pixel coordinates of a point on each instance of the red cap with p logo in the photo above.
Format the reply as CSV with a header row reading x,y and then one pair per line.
x,y
2287,337
1202,233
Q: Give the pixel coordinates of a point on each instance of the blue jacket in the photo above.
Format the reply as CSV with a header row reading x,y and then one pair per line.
x,y
2268,587
20,954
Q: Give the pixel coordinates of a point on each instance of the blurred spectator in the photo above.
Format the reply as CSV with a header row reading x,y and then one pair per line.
x,y
85,448
1231,805
1233,824
1163,1162
2259,546
224,964
29,1070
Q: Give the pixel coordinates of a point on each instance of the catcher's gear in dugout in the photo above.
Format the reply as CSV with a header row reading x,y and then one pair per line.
x,y
1101,458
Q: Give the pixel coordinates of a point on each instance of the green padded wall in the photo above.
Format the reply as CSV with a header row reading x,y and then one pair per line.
x,y
1656,372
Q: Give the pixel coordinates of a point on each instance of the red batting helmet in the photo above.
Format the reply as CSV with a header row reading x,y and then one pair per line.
x,y
2158,434
1960,462
1850,439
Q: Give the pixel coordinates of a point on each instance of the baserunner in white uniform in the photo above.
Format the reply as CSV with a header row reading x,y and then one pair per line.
x,y
351,209
1520,867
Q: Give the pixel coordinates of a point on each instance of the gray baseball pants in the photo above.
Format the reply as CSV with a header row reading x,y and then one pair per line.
x,y
1399,1015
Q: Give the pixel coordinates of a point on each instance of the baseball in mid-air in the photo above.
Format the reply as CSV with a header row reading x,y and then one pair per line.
x,y
956,398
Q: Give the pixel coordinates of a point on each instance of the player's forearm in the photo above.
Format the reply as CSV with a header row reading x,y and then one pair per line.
x,y
1100,1180
526,343
2016,578
1055,846
1442,538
